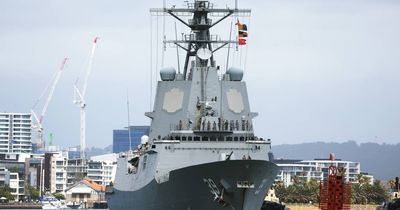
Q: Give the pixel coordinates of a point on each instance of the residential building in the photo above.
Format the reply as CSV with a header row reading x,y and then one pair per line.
x,y
86,192
15,165
15,133
291,168
107,167
34,171
102,168
317,169
121,138
17,187
369,176
4,177
55,172
75,171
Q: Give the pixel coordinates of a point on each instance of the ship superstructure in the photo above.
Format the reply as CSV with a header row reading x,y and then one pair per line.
x,y
201,152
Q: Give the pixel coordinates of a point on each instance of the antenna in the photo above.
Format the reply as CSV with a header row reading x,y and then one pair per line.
x,y
200,25
229,48
177,50
129,123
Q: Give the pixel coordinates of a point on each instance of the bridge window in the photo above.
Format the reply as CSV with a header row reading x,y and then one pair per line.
x,y
189,138
235,138
196,138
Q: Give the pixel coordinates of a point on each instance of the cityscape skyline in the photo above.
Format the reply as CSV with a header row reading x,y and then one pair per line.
x,y
316,70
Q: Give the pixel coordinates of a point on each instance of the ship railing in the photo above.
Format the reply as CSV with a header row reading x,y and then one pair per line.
x,y
213,136
232,126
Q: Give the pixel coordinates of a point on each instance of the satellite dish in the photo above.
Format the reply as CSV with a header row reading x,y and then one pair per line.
x,y
204,53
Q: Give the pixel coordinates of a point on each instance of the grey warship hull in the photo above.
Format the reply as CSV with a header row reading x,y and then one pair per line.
x,y
242,184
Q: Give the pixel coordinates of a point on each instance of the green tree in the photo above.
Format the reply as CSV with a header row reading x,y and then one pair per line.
x,y
59,196
299,192
5,191
32,192
365,193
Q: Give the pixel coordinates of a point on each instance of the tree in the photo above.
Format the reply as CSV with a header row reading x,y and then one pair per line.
x,y
298,192
5,191
59,196
365,193
32,192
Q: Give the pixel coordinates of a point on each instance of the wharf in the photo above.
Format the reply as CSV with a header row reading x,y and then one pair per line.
x,y
20,206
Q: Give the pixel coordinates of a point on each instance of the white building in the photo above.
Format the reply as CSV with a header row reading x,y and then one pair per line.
x,y
16,189
12,173
102,168
15,133
55,176
317,169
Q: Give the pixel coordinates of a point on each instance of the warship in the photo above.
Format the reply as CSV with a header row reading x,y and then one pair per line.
x,y
201,152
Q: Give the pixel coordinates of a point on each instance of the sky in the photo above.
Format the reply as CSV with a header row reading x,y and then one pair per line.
x,y
315,70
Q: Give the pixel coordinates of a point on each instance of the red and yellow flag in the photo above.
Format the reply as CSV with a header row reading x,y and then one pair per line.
x,y
242,32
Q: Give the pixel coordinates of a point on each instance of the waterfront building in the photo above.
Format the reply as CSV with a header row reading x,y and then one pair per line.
x,y
121,138
317,169
102,168
55,173
4,177
15,133
15,165
76,171
34,171
101,172
87,192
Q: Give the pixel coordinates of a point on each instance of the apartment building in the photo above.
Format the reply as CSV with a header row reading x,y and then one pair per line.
x,y
15,133
317,169
13,168
55,172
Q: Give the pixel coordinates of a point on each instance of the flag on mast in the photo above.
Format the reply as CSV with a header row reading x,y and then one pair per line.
x,y
242,32
242,41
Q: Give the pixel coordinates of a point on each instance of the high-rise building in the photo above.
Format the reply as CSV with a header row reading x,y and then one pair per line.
x,y
121,138
55,174
34,171
15,133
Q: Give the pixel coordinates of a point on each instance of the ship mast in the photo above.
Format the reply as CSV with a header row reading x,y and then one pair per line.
x,y
200,25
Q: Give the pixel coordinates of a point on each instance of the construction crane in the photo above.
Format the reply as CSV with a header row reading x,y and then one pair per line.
x,y
79,100
38,125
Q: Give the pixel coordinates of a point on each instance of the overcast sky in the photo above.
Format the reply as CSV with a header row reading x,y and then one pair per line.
x,y
316,70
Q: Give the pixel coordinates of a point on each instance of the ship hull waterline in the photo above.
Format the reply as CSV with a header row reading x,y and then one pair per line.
x,y
210,186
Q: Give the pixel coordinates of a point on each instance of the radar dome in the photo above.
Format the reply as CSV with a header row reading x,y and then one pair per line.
x,y
167,74
235,74
144,139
